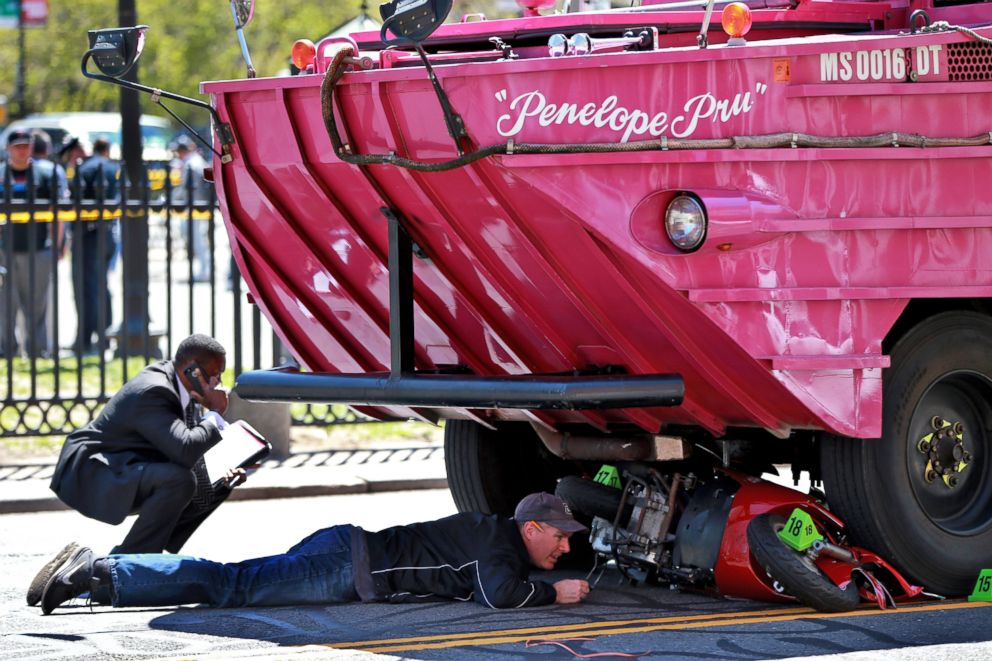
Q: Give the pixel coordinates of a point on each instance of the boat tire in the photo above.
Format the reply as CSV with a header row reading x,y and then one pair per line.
x,y
794,571
490,470
939,534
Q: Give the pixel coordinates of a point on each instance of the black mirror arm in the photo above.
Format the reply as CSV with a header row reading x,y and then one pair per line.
x,y
223,129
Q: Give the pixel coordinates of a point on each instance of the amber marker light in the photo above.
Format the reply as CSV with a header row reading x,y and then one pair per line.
x,y
303,53
736,21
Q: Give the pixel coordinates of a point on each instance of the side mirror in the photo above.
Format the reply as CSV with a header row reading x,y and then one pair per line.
x,y
116,50
243,11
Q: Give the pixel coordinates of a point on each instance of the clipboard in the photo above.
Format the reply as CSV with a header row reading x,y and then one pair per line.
x,y
240,446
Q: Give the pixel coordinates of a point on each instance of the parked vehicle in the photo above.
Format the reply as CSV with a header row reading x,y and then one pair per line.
x,y
88,126
619,236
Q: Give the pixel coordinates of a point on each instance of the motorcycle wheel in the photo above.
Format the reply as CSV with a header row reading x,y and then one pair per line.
x,y
794,571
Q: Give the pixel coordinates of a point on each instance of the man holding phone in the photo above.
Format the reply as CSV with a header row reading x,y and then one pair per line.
x,y
143,454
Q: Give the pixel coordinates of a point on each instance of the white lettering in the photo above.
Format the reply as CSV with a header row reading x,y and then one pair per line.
x,y
638,124
548,114
630,123
696,108
525,111
899,64
845,66
607,106
568,113
922,61
618,118
588,111
658,124
862,65
828,67
875,58
879,64
935,50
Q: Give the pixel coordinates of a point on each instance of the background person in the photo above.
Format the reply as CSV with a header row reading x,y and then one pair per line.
x,y
34,247
91,252
71,155
187,177
467,556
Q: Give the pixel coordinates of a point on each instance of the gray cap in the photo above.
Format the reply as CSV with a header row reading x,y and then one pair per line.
x,y
545,508
19,137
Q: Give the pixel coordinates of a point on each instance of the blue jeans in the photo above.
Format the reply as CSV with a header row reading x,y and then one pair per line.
x,y
318,570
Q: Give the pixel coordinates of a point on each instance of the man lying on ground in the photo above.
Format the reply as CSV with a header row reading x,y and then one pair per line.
x,y
464,556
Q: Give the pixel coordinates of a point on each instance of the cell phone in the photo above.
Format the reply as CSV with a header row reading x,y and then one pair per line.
x,y
194,381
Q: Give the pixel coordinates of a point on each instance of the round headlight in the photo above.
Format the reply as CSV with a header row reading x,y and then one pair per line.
x,y
685,222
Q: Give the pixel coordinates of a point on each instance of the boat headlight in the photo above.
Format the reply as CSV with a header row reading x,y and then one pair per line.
x,y
685,222
557,45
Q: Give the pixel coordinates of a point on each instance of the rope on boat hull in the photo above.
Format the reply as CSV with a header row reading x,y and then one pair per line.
x,y
328,89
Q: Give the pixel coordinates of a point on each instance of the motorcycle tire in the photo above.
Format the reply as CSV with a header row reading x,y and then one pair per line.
x,y
591,498
794,571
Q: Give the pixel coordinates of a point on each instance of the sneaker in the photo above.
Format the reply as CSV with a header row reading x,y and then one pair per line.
x,y
70,581
37,586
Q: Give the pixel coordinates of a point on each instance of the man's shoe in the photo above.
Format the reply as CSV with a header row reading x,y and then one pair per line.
x,y
70,581
37,586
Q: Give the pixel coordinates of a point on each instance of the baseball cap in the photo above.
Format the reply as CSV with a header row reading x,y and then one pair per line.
x,y
19,137
183,142
545,508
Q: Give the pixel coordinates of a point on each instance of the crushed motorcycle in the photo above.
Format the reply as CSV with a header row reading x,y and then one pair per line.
x,y
729,532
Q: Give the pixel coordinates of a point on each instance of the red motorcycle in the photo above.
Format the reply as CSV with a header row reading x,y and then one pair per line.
x,y
740,535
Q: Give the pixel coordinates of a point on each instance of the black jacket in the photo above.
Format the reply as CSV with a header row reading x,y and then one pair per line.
x,y
100,464
43,175
464,556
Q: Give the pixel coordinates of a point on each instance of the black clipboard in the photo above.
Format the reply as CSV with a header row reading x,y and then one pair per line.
x,y
241,445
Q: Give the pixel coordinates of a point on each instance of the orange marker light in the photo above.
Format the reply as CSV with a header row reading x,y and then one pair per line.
x,y
736,19
303,53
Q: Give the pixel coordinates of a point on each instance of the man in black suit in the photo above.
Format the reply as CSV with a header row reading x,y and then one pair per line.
x,y
144,454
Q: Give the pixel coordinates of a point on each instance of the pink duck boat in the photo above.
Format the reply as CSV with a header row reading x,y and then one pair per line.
x,y
623,237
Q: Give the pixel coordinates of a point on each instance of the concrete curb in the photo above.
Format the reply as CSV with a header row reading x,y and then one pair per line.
x,y
53,504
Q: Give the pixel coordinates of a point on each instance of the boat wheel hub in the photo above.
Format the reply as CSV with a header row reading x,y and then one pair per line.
x,y
946,454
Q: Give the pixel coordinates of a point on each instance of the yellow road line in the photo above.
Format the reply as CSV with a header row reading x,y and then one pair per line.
x,y
611,628
580,626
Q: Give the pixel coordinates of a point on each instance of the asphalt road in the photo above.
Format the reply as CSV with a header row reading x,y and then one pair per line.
x,y
651,622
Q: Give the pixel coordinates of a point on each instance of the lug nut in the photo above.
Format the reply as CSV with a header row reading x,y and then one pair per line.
x,y
924,446
931,475
958,428
936,422
952,481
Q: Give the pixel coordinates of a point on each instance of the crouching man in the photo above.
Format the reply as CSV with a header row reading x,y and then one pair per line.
x,y
464,556
144,455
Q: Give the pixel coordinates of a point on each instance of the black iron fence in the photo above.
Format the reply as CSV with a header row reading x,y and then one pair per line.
x,y
84,306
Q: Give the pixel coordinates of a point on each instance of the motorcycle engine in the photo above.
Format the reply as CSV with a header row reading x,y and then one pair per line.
x,y
672,536
640,541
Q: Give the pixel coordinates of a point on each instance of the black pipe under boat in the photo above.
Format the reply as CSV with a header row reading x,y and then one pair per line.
x,y
532,391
